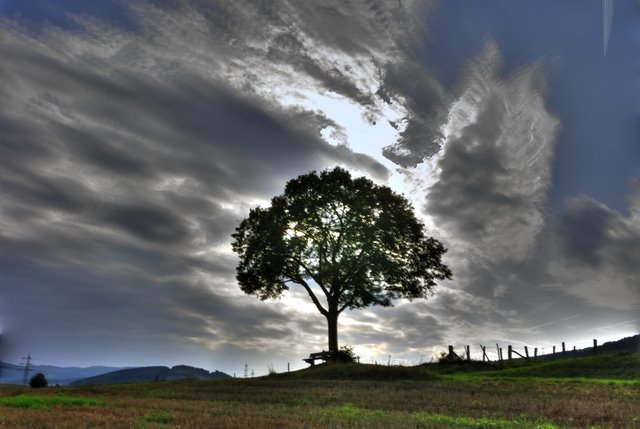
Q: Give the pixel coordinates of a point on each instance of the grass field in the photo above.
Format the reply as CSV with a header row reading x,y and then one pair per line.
x,y
594,392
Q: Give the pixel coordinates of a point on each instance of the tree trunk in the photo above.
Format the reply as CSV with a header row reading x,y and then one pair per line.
x,y
332,323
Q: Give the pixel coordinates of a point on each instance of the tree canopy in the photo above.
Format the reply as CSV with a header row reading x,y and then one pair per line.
x,y
38,380
348,242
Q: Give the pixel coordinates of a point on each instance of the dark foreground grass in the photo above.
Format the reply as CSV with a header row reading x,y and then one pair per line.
x,y
347,396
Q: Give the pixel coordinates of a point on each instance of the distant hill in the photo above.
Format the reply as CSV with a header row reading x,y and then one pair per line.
x,y
151,373
14,374
628,344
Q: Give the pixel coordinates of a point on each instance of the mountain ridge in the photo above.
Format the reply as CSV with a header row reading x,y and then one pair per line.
x,y
151,373
14,374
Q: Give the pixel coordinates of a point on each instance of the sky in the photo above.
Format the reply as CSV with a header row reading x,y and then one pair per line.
x,y
136,135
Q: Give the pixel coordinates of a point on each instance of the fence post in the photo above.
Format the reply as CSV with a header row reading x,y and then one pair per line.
x,y
595,346
554,351
510,352
526,351
574,351
535,353
468,352
484,352
563,349
288,367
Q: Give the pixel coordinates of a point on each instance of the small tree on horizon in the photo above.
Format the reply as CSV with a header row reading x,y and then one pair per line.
x,y
348,242
38,380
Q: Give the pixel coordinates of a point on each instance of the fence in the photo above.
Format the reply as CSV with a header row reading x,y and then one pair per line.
x,y
528,353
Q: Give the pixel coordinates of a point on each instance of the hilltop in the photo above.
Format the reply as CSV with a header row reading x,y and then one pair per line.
x,y
622,366
151,373
617,360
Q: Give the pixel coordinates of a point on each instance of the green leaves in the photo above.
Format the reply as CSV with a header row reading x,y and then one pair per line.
x,y
360,243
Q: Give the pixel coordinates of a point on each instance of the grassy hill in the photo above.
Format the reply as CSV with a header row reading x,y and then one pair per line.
x,y
615,366
618,366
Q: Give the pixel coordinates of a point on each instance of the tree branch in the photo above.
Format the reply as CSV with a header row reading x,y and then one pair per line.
x,y
312,275
347,304
315,300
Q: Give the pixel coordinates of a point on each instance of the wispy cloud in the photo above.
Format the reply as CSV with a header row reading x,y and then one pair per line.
x,y
495,167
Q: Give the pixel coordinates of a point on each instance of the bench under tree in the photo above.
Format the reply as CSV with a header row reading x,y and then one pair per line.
x,y
323,356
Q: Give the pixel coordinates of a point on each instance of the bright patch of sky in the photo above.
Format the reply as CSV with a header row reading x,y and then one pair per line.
x,y
358,132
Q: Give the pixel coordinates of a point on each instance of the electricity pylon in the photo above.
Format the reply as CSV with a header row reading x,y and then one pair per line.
x,y
27,368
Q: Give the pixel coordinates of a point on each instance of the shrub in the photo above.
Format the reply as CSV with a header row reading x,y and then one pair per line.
x,y
38,380
345,354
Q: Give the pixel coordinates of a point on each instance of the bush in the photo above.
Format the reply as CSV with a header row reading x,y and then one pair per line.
x,y
345,354
38,380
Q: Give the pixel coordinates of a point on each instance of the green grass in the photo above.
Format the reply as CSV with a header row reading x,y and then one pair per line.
x,y
477,378
621,366
45,402
351,415
162,417
443,421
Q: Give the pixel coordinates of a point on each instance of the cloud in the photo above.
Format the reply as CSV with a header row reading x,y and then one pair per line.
x,y
426,105
516,263
131,153
495,167
597,249
592,234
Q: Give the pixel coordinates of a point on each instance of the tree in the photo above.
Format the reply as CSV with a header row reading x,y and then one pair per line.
x,y
38,380
348,242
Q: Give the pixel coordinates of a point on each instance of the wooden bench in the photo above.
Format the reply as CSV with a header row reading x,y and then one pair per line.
x,y
323,356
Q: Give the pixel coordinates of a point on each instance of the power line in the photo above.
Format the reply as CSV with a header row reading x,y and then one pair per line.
x,y
27,367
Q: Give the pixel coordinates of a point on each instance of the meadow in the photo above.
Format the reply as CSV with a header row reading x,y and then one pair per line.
x,y
592,392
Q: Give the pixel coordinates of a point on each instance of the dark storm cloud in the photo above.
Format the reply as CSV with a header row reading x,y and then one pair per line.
x,y
148,223
287,48
137,313
426,101
473,194
110,154
584,231
594,237
33,190
12,147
